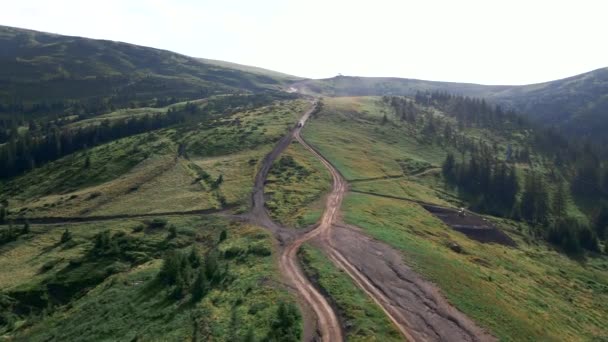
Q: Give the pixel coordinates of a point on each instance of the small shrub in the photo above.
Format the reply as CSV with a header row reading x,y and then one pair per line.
x,y
172,232
156,223
47,266
66,236
138,228
259,250
233,252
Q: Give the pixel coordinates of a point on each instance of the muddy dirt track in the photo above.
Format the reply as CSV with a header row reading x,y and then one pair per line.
x,y
327,325
414,305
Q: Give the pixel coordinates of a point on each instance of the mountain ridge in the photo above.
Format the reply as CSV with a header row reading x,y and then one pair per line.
x,y
48,67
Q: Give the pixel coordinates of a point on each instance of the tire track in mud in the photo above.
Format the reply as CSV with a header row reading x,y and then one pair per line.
x,y
333,204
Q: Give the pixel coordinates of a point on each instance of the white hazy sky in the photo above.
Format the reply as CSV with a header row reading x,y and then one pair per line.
x,y
490,42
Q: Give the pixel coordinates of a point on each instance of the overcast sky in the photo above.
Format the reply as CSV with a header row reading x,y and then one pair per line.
x,y
490,42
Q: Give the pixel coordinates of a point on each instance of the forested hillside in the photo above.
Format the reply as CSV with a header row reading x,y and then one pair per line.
x,y
504,165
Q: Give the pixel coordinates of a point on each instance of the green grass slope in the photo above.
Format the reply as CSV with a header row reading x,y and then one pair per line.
x,y
531,292
279,76
40,67
145,173
117,295
104,280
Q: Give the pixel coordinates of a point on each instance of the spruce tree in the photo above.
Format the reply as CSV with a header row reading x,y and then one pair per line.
x,y
200,286
26,228
223,235
194,258
558,204
448,167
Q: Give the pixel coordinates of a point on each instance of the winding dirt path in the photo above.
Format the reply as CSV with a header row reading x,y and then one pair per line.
x,y
327,323
332,206
414,305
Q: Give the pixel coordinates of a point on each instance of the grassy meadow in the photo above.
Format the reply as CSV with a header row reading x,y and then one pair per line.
x,y
121,291
296,184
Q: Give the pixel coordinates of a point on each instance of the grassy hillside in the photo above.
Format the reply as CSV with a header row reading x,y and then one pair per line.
x,y
41,68
379,86
107,291
147,173
111,269
530,292
252,69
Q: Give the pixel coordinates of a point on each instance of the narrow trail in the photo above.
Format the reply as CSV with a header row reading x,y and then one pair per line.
x,y
59,220
333,204
328,325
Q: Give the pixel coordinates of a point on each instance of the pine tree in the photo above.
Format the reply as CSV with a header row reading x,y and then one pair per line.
x,y
558,205
542,205
194,258
170,268
211,267
26,228
200,286
2,214
180,286
284,326
528,199
218,181
223,235
601,223
448,167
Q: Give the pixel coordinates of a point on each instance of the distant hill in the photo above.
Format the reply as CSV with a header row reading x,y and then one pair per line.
x,y
39,68
42,67
252,69
576,105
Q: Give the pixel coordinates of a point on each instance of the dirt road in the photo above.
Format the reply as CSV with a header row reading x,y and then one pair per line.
x,y
415,306
332,206
327,323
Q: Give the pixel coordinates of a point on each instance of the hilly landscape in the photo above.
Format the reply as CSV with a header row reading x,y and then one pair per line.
x,y
576,105
150,196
